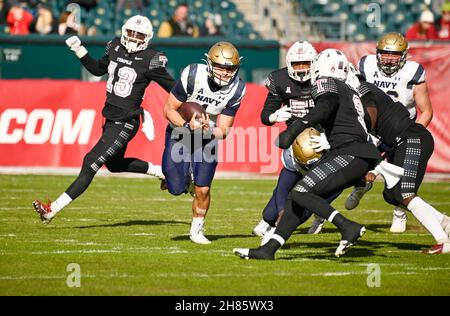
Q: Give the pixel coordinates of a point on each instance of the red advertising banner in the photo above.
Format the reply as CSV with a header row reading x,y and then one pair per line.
x,y
54,123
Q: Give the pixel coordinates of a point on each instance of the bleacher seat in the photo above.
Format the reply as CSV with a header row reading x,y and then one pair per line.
x,y
109,22
396,16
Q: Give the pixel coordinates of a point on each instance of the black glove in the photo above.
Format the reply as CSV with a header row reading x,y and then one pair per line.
x,y
287,137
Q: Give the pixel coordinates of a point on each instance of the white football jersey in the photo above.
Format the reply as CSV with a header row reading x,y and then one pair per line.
x,y
399,86
226,100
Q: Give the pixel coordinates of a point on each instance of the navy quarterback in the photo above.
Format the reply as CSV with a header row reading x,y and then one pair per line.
x,y
217,87
131,66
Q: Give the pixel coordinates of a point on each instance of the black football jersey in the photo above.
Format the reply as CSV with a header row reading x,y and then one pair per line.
x,y
393,119
339,110
129,76
283,90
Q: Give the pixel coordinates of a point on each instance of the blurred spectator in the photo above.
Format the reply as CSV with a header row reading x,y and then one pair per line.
x,y
424,29
68,23
137,5
87,4
19,20
4,9
211,27
178,24
444,22
44,22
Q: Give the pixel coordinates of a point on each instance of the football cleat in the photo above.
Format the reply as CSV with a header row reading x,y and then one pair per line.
x,y
257,253
265,239
197,235
355,197
44,211
438,249
156,171
398,224
317,225
261,229
199,238
163,185
349,240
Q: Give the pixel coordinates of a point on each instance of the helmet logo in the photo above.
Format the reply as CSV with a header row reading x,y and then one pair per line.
x,y
301,50
138,21
333,69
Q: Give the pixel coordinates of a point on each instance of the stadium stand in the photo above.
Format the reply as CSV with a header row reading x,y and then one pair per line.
x,y
107,21
359,16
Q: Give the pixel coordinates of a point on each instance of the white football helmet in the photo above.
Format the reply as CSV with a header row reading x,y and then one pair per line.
x,y
136,33
298,52
330,63
352,80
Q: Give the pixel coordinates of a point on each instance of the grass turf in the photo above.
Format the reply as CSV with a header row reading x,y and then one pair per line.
x,y
129,238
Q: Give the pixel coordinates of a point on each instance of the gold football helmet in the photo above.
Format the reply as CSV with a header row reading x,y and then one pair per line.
x,y
392,50
223,63
301,147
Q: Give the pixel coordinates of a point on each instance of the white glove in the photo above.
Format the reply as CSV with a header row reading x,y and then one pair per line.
x,y
319,143
281,115
74,44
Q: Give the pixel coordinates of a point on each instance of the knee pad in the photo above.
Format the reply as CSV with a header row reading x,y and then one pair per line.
x,y
88,163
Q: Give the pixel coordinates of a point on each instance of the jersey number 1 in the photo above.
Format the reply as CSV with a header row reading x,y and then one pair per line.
x,y
124,85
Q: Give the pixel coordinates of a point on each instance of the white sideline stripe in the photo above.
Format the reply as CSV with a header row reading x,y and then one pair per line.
x,y
143,234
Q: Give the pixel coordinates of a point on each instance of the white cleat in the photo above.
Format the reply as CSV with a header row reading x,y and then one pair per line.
x,y
261,229
398,224
265,239
241,252
317,225
199,238
438,249
355,197
344,245
156,171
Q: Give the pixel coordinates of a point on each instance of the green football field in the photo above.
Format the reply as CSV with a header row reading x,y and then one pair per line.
x,y
126,237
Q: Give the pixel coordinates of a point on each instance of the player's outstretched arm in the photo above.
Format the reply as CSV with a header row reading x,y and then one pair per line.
x,y
287,137
97,68
423,103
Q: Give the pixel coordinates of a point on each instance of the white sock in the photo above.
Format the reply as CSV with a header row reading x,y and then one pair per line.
x,y
425,214
197,223
278,238
60,203
399,212
155,170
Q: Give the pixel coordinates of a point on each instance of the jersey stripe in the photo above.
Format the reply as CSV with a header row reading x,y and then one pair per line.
x,y
416,77
191,79
361,66
237,94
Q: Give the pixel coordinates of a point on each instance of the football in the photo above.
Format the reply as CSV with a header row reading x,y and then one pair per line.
x,y
303,152
187,109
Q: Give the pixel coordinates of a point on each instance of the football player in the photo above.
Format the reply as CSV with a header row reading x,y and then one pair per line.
x,y
289,98
131,66
412,145
404,81
339,110
191,146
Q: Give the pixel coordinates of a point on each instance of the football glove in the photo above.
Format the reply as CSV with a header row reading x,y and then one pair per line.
x,y
281,115
319,143
74,43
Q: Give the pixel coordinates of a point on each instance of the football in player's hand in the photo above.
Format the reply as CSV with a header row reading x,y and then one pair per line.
x,y
187,110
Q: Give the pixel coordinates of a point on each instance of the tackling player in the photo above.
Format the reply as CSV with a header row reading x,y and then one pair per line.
x,y
412,145
218,88
289,98
131,66
339,110
404,81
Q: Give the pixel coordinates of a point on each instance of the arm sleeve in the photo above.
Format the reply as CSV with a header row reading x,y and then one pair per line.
x,y
326,105
272,103
235,102
97,67
179,92
163,78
